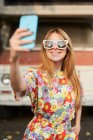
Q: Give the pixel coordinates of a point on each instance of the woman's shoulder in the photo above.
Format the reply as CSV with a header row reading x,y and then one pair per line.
x,y
32,69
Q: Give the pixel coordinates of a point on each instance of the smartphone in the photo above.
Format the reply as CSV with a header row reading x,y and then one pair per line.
x,y
30,22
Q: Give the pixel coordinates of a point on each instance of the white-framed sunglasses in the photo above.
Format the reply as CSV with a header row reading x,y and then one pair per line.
x,y
48,44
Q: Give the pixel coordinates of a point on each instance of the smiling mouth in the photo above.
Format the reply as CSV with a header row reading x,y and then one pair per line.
x,y
57,53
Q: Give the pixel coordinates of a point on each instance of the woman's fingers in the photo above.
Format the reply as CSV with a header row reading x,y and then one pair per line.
x,y
16,40
21,49
73,128
23,42
19,30
76,129
20,33
18,47
16,43
23,34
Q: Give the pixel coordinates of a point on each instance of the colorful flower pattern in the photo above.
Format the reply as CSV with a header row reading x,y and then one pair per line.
x,y
53,104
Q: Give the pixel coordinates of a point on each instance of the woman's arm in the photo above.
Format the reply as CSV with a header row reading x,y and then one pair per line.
x,y
77,126
18,85
78,120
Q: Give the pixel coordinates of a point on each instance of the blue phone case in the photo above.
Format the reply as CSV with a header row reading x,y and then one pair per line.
x,y
30,22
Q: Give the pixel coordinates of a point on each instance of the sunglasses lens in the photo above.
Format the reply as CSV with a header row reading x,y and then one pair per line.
x,y
61,44
48,44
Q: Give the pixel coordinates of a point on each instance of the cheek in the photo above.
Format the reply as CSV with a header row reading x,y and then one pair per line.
x,y
63,53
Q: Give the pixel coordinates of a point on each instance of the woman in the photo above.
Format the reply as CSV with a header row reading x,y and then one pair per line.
x,y
53,87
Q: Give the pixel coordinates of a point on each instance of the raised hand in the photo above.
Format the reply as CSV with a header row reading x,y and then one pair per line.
x,y
16,43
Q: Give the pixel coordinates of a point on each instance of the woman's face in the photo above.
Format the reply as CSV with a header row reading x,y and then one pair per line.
x,y
55,54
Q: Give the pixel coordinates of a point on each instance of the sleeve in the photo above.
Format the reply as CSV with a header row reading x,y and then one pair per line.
x,y
31,86
30,79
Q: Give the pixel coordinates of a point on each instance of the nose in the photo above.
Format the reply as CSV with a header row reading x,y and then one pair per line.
x,y
55,46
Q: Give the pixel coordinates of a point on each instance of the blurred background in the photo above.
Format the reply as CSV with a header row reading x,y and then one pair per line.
x,y
76,18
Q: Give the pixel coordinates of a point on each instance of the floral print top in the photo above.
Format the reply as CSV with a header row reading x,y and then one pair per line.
x,y
53,104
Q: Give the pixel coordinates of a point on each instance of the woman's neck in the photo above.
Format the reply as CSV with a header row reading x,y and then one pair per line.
x,y
57,66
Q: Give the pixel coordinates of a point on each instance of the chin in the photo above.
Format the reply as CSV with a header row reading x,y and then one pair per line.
x,y
56,60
